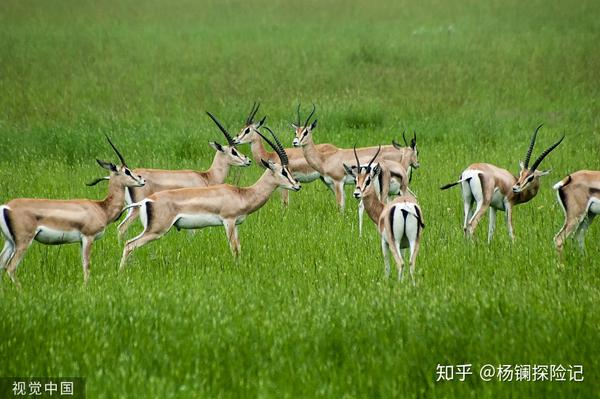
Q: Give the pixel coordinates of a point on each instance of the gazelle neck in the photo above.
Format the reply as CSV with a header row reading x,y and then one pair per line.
x,y
312,155
258,150
218,169
373,206
113,203
255,196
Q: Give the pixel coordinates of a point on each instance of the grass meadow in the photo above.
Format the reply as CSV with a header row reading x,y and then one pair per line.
x,y
307,312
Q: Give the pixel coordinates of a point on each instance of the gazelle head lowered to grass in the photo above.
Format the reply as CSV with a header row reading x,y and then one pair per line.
x,y
302,132
529,177
233,156
250,128
364,176
121,174
410,151
282,175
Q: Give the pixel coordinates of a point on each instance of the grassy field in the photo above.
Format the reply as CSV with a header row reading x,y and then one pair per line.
x,y
307,312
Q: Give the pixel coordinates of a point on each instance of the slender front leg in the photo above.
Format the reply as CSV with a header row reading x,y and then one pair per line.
x,y
361,211
509,221
492,225
285,197
340,195
86,248
232,237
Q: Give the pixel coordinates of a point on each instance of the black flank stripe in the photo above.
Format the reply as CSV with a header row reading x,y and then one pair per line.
x,y
380,181
419,217
594,191
9,223
563,198
149,213
392,211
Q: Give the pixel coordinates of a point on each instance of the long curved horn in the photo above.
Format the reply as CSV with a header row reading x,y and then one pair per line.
x,y
283,154
280,152
310,116
413,142
357,161
298,113
117,151
225,132
251,114
531,145
546,152
371,161
404,138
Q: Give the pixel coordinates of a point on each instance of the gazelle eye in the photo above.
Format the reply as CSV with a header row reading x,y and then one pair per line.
x,y
368,181
305,132
127,172
234,152
247,130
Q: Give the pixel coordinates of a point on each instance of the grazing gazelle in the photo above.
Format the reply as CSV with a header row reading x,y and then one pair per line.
x,y
400,223
497,189
579,196
55,222
301,170
164,179
329,164
223,204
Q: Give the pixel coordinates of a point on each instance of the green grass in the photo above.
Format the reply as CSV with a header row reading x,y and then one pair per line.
x,y
307,312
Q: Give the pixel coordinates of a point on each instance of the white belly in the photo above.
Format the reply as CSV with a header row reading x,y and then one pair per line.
x,y
49,236
394,186
306,177
594,206
498,200
197,221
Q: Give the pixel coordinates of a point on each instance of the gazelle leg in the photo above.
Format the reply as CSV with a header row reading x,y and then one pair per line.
x,y
509,220
13,263
483,200
492,225
414,251
135,243
340,195
6,253
285,197
582,229
132,214
385,249
570,225
467,203
86,248
361,211
398,258
232,236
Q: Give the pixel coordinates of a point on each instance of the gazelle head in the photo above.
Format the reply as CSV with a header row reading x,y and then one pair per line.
x,y
233,156
121,175
529,176
364,176
281,173
303,131
250,129
409,150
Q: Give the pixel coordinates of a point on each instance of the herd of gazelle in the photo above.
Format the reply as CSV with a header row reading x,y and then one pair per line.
x,y
190,199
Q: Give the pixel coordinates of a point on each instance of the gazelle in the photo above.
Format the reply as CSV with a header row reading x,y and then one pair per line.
x,y
579,196
400,223
497,189
164,179
301,170
223,204
56,222
329,164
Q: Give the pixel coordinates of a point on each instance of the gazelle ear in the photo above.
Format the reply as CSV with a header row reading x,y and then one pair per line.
x,y
216,146
544,172
521,165
293,125
268,164
262,121
313,125
376,170
349,170
107,165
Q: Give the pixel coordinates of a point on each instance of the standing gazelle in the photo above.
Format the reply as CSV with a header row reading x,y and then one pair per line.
x,y
497,189
400,223
329,164
63,221
579,196
301,170
223,204
164,179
